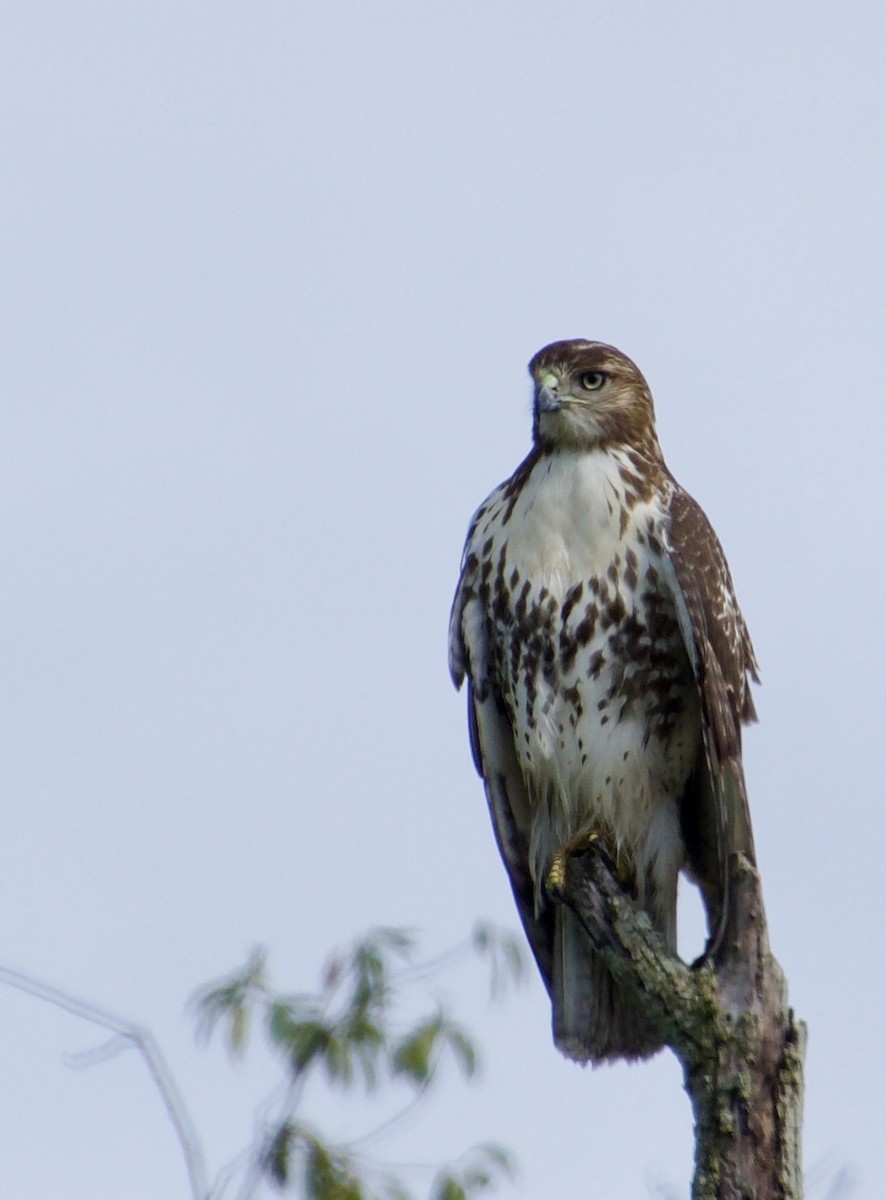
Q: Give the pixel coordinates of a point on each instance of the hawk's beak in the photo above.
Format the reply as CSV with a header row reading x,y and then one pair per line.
x,y
546,399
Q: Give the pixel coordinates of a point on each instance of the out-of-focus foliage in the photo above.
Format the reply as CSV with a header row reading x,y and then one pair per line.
x,y
349,1035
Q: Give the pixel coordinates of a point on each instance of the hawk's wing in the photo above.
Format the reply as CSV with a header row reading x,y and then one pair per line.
x,y
492,745
715,820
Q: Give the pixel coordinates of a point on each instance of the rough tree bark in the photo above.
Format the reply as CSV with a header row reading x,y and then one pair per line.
x,y
728,1023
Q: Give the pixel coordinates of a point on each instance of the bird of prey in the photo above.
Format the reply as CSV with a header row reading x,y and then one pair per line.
x,y
608,671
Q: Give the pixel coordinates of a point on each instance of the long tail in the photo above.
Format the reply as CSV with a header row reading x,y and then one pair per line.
x,y
594,1021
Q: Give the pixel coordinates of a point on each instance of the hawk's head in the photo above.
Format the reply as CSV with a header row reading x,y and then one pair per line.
x,y
588,394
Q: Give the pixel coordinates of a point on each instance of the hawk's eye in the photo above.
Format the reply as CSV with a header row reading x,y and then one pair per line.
x,y
592,381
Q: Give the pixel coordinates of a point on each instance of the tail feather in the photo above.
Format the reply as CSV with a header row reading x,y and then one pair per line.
x,y
594,1020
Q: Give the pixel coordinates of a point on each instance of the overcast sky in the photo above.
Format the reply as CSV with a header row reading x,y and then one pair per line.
x,y
271,273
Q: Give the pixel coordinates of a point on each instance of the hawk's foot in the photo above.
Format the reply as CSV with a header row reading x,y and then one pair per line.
x,y
578,844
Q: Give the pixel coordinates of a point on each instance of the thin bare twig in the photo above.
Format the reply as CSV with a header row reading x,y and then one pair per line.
x,y
142,1040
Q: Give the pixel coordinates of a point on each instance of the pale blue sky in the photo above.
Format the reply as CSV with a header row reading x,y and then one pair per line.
x,y
271,276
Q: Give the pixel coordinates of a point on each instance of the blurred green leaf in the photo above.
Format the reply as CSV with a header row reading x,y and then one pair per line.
x,y
277,1156
498,1156
447,1187
328,1175
228,1000
479,1171
504,953
303,1041
417,1054
370,964
392,1189
367,1040
412,1057
347,1029
332,972
463,1049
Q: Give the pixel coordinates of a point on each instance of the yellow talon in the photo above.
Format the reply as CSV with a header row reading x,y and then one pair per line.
x,y
556,879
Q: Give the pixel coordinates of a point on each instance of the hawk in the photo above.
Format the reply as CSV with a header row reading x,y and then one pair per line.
x,y
608,670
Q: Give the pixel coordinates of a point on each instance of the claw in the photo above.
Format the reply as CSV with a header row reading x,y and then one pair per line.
x,y
556,878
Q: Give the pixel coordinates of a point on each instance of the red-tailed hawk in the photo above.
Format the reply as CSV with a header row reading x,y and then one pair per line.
x,y
608,667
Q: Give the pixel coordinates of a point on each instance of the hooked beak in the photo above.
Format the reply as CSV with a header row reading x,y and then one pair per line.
x,y
546,399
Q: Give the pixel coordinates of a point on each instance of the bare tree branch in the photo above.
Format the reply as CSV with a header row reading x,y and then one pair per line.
x,y
143,1041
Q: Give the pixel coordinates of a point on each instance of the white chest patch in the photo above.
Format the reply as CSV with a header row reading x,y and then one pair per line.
x,y
573,579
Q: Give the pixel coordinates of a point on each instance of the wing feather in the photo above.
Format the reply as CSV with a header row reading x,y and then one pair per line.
x,y
509,809
715,818
495,757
